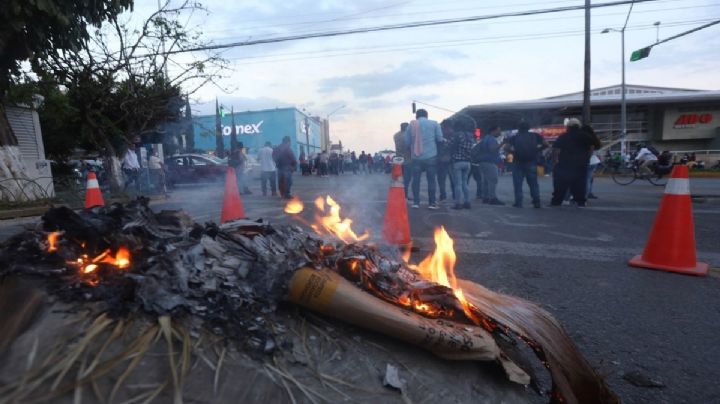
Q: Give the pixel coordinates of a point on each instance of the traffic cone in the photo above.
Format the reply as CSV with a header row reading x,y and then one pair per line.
x,y
671,246
232,204
396,228
93,196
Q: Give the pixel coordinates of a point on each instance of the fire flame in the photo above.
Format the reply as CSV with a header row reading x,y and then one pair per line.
x,y
333,224
294,206
439,267
52,239
120,260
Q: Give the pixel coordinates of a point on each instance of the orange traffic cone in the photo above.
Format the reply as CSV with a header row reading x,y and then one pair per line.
x,y
232,204
93,196
396,229
671,246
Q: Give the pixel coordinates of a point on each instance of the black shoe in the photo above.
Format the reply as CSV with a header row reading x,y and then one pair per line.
x,y
592,196
536,205
517,205
457,206
495,202
466,205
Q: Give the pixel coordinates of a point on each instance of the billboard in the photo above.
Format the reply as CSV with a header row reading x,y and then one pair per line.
x,y
254,128
691,123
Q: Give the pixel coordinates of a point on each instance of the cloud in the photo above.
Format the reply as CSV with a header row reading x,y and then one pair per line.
x,y
412,73
239,103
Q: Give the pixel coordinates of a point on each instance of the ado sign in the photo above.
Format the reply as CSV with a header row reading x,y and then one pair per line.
x,y
691,120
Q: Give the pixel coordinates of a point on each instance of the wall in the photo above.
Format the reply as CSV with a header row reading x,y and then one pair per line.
x,y
25,123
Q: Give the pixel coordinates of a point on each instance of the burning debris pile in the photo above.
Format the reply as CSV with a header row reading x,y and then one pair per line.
x,y
232,279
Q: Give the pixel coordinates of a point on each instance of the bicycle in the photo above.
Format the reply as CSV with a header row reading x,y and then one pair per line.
x,y
625,174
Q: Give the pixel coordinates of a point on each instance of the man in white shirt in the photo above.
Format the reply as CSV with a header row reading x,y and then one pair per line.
x,y
131,166
267,168
646,159
157,173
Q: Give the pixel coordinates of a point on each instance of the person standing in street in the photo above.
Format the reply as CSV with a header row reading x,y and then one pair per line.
x,y
267,169
131,167
363,160
422,136
444,160
525,146
460,146
157,172
286,163
488,156
402,149
571,154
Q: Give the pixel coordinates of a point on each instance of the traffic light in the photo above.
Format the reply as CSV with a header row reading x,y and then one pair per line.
x,y
478,133
640,54
413,105
222,111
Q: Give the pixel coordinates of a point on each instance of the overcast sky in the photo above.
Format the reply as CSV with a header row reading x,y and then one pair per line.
x,y
376,76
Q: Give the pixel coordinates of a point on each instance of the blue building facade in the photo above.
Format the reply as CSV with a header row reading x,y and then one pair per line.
x,y
254,128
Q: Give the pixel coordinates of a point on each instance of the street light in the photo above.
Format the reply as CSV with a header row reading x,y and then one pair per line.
x,y
623,103
327,121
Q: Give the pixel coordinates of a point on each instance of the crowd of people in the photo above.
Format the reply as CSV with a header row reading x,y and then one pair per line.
x,y
449,152
326,163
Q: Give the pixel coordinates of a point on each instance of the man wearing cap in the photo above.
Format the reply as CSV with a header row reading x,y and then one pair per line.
x,y
571,153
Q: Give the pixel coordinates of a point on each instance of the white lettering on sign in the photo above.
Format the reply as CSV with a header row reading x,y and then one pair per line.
x,y
249,129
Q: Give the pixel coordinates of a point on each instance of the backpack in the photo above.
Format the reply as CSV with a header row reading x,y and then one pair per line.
x,y
525,145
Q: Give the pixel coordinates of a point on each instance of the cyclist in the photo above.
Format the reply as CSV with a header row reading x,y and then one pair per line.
x,y
645,159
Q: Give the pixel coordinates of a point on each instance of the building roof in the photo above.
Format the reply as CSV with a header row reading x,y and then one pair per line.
x,y
634,94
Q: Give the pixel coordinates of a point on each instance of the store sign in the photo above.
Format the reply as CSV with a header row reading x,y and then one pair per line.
x,y
249,129
550,132
689,121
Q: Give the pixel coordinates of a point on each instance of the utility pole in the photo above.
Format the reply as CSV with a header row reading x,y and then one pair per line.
x,y
307,136
586,87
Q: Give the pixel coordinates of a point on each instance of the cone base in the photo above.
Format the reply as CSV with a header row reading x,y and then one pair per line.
x,y
700,268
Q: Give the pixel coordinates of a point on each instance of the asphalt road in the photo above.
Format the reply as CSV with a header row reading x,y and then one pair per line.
x,y
572,261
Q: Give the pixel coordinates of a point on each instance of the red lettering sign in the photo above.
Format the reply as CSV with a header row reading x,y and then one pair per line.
x,y
689,120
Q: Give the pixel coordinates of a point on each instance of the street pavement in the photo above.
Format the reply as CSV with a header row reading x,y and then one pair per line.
x,y
572,261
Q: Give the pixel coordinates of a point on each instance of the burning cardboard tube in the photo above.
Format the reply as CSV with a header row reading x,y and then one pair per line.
x,y
328,293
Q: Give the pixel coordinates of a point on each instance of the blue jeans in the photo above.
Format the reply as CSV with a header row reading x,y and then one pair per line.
x,y
490,180
407,176
527,171
285,180
588,186
461,170
430,168
444,171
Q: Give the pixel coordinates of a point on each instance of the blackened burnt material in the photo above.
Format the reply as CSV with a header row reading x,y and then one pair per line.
x,y
229,276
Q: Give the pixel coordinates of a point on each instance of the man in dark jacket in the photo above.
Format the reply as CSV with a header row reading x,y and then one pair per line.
x,y
571,153
525,148
444,160
286,164
460,146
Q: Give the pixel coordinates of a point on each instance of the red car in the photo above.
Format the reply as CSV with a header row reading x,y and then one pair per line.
x,y
190,168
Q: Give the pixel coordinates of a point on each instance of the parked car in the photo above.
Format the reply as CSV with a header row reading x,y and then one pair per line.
x,y
189,168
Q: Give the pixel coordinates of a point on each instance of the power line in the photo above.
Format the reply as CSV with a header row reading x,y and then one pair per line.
x,y
328,53
237,34
399,26
686,33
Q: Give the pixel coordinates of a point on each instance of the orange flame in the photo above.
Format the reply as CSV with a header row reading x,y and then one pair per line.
x,y
294,206
332,223
120,260
439,267
52,240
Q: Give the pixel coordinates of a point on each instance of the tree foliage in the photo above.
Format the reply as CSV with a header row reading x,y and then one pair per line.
x,y
33,30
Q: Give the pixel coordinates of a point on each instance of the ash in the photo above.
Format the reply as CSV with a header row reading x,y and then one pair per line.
x,y
231,277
